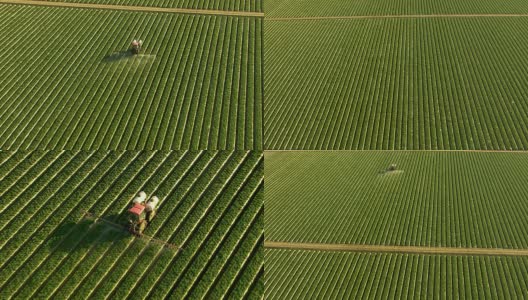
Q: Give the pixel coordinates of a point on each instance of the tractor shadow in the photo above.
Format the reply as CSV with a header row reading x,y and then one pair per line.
x,y
126,55
118,56
387,172
89,232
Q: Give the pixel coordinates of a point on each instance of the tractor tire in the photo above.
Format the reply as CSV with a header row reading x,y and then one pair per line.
x,y
151,215
142,227
134,229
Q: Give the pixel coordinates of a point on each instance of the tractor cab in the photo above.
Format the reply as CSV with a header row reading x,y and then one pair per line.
x,y
137,212
137,222
135,46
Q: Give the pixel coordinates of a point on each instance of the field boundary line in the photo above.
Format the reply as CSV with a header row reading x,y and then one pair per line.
x,y
135,8
418,16
403,150
396,249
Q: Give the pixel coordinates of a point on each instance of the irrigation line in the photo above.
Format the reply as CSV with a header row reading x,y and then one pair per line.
x,y
136,8
124,228
397,249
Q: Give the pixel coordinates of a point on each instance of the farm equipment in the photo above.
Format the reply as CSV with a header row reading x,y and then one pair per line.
x,y
135,46
141,213
392,167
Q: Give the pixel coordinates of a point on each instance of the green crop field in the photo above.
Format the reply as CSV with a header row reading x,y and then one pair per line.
x,y
228,5
405,85
439,199
304,8
397,83
338,275
448,199
71,84
63,215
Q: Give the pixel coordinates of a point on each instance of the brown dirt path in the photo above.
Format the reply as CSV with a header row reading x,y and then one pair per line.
x,y
135,8
395,151
396,249
395,17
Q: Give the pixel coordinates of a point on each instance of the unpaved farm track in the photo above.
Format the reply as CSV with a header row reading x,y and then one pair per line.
x,y
410,150
396,17
135,8
396,249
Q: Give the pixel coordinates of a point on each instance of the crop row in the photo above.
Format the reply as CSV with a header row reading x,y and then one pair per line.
x,y
196,85
444,199
211,207
396,84
294,274
286,8
227,5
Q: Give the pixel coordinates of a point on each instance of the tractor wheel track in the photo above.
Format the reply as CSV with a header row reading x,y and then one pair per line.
x,y
397,249
135,8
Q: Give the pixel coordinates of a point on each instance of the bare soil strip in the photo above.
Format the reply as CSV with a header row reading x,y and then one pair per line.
x,y
395,17
396,249
135,8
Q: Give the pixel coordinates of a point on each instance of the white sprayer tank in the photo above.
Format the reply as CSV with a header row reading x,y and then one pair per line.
x,y
153,202
140,198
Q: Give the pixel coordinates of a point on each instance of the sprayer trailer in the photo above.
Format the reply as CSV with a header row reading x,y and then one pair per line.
x,y
141,213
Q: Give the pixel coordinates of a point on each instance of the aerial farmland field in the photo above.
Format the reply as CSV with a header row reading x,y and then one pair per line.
x,y
226,5
294,274
347,223
64,225
396,83
455,199
403,86
72,83
315,8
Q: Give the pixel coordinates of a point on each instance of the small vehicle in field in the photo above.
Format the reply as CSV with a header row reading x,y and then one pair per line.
x,y
392,168
135,46
141,213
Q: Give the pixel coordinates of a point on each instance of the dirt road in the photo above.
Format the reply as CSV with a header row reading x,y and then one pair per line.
x,y
396,249
135,8
396,17
395,151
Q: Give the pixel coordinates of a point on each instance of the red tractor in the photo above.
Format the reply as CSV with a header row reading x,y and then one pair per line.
x,y
141,213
